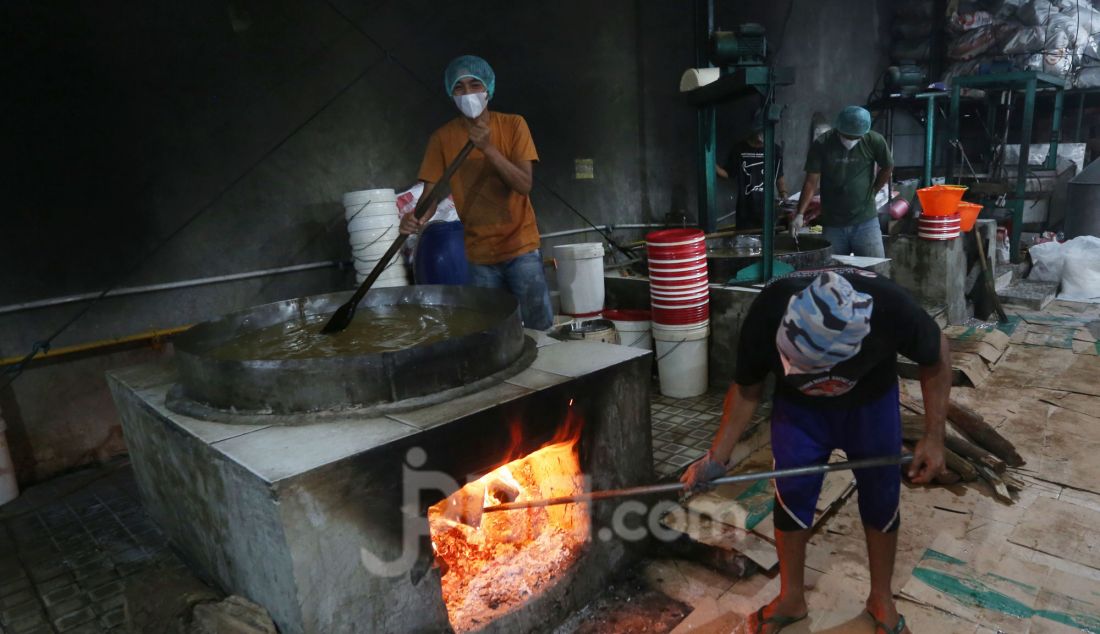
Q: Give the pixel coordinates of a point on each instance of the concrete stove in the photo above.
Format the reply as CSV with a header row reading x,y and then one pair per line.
x,y
323,524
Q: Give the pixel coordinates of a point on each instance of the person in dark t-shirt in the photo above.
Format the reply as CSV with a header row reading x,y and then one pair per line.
x,y
831,337
745,165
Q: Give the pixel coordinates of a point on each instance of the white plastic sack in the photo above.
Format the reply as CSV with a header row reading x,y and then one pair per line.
x,y
1046,262
1088,78
1028,39
1036,12
1081,270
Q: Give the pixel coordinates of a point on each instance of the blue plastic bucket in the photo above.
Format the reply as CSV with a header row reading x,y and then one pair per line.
x,y
441,255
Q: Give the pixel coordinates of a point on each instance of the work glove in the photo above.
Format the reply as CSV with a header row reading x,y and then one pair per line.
x,y
796,225
698,476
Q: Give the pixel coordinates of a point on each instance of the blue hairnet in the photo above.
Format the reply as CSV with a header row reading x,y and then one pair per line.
x,y
469,66
853,121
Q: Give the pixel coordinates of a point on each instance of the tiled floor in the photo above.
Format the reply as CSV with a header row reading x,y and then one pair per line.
x,y
66,548
683,429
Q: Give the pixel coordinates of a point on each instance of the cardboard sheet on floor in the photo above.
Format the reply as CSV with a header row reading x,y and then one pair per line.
x,y
750,505
1081,377
1080,403
974,354
1061,529
985,585
723,536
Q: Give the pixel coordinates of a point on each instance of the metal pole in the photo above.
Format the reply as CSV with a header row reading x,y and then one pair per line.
x,y
167,286
868,463
1080,114
1022,168
929,139
769,185
707,123
952,132
1056,129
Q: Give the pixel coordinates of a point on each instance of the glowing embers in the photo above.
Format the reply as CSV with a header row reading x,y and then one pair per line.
x,y
512,556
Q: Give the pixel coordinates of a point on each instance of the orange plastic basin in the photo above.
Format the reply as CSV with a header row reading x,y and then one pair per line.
x,y
968,214
940,200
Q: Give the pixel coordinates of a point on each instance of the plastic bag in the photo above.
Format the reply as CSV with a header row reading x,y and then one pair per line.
x,y
1081,270
1088,78
1036,12
1027,39
971,44
1046,262
444,212
960,22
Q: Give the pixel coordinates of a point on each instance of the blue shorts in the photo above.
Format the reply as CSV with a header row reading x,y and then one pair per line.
x,y
803,436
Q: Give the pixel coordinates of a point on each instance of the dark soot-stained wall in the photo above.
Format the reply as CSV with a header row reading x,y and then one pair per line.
x,y
157,142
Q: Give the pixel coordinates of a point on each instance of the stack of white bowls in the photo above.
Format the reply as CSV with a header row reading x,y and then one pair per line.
x,y
373,226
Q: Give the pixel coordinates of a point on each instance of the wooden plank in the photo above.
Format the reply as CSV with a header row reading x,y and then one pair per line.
x,y
1061,529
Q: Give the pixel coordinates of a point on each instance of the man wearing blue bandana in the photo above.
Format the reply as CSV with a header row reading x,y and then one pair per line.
x,y
836,334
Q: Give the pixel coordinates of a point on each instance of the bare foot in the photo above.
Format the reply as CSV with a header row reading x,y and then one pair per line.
x,y
885,612
779,609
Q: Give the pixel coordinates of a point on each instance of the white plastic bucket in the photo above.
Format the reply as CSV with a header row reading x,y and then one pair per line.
x,y
682,359
580,277
9,488
368,196
634,333
373,223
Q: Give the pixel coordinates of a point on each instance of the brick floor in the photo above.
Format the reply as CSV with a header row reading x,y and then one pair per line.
x,y
66,548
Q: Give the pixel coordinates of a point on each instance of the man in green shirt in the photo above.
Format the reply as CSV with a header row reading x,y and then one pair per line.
x,y
843,163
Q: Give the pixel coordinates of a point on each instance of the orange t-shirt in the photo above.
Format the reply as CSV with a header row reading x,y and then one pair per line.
x,y
499,222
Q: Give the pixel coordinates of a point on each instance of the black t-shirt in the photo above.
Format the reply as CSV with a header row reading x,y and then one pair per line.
x,y
898,325
745,165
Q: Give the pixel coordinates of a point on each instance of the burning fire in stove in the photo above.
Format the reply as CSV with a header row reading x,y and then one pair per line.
x,y
512,556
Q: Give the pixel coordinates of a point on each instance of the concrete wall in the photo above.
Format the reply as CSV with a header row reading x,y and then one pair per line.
x,y
165,141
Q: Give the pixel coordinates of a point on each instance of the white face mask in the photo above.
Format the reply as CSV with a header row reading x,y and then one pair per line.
x,y
472,104
849,143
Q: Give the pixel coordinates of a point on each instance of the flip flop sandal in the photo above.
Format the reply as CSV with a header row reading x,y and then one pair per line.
x,y
779,622
898,629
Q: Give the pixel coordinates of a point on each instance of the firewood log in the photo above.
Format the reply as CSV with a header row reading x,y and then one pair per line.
x,y
982,433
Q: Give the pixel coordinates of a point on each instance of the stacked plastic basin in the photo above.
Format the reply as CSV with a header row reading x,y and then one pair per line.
x,y
679,293
940,219
373,226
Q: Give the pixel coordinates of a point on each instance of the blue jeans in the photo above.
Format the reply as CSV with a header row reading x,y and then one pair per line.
x,y
863,239
523,277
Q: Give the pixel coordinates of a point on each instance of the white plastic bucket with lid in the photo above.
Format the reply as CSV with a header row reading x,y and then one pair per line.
x,y
682,359
633,326
580,277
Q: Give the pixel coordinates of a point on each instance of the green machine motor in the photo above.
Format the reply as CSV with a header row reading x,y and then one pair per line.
x,y
744,46
906,78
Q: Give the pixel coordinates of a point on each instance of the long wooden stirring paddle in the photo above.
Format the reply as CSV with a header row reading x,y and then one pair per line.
x,y
343,315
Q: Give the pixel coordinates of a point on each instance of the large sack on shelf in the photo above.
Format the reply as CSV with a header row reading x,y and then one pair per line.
x,y
1026,40
971,44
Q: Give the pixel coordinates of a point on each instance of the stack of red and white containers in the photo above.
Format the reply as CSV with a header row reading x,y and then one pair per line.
x,y
679,290
679,294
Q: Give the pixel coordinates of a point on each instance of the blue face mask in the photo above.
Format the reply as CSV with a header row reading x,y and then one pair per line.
x,y
472,104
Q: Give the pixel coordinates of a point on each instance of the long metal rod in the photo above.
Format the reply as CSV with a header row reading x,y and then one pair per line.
x,y
167,286
884,461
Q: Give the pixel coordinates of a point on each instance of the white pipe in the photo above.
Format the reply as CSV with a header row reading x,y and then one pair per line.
x,y
151,288
570,232
9,488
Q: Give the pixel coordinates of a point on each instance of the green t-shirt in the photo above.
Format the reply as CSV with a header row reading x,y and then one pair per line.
x,y
847,176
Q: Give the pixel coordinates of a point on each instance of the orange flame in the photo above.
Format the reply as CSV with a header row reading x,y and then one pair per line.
x,y
513,555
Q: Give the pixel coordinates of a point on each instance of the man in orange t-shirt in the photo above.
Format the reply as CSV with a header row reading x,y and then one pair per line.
x,y
491,190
